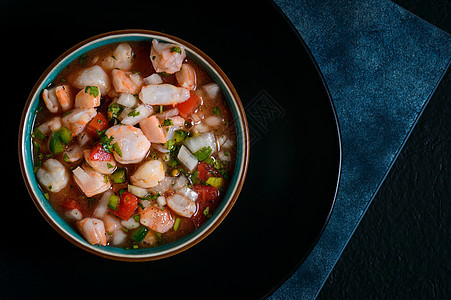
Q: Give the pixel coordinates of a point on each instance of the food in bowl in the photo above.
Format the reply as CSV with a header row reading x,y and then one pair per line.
x,y
133,144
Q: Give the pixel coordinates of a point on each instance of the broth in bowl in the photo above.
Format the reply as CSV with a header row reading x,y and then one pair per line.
x,y
133,144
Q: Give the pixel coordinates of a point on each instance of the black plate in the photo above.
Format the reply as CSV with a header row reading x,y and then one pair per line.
x,y
293,171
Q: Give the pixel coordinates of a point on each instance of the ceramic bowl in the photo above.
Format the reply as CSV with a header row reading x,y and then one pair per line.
x,y
26,158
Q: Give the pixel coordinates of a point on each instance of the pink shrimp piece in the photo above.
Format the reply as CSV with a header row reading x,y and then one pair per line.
x,y
89,97
153,130
156,219
65,96
93,230
186,77
127,82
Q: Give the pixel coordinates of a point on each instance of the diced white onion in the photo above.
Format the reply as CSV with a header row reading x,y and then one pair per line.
x,y
223,157
153,79
130,224
187,159
74,214
200,128
119,237
163,185
212,90
188,193
137,191
127,100
213,121
161,200
180,182
196,143
102,206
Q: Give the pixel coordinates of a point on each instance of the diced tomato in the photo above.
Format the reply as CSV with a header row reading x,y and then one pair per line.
x,y
128,203
208,197
205,171
189,106
97,124
98,154
70,204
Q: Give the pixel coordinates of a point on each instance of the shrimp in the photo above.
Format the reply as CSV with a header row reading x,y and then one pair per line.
x,y
73,153
50,100
156,219
137,114
133,143
93,230
121,58
93,76
163,94
149,174
166,57
89,97
181,205
186,77
106,167
127,82
91,182
51,125
52,175
153,130
78,118
111,223
65,96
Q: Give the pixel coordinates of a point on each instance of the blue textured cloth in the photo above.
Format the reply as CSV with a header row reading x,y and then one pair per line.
x,y
381,65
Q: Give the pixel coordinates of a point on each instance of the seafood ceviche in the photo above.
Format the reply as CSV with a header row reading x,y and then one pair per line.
x,y
133,144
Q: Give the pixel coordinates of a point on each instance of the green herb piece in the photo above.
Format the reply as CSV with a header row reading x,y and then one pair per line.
x,y
113,111
114,57
139,234
83,58
136,218
66,157
109,166
117,149
176,49
150,197
113,202
216,111
56,145
177,224
105,141
173,163
135,247
203,154
38,134
92,90
206,211
119,176
179,136
215,181
133,113
170,144
153,57
168,122
46,195
37,165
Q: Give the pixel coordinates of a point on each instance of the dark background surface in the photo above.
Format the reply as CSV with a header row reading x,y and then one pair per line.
x,y
401,248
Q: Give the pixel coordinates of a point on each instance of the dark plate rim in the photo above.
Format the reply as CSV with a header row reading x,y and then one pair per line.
x,y
340,150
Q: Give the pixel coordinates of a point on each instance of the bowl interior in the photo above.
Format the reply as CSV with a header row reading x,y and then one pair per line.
x,y
114,252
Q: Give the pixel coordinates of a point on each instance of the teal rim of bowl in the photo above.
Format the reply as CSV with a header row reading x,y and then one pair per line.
x,y
112,251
